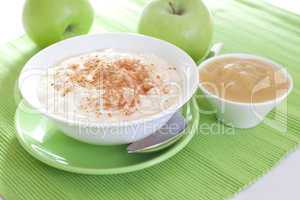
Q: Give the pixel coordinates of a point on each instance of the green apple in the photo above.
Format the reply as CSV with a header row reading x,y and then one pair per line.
x,y
185,23
49,21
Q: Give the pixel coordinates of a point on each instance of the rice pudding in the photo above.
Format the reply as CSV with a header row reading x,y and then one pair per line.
x,y
110,86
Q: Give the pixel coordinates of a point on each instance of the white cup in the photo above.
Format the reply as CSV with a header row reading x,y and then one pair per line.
x,y
240,114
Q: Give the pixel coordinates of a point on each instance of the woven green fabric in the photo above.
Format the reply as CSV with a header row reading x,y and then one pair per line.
x,y
219,161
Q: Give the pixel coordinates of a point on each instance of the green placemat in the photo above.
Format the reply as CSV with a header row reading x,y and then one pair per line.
x,y
219,161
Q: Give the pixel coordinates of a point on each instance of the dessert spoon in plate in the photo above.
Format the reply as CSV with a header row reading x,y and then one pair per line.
x,y
172,131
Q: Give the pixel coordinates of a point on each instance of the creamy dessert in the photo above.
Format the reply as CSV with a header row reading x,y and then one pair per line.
x,y
110,86
244,80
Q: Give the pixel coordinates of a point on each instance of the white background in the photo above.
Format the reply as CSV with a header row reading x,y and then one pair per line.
x,y
282,183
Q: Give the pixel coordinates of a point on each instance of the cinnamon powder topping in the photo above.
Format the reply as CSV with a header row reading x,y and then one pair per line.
x,y
120,83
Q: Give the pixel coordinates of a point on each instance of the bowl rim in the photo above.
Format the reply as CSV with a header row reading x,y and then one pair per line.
x,y
251,56
158,115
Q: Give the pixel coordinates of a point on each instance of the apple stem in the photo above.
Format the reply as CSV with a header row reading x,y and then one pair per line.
x,y
174,11
172,7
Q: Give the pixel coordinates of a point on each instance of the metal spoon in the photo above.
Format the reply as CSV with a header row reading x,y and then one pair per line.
x,y
172,131
164,137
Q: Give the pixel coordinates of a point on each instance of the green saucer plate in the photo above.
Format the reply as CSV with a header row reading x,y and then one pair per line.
x,y
40,138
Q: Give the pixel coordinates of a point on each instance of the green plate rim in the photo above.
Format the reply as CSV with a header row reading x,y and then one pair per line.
x,y
118,170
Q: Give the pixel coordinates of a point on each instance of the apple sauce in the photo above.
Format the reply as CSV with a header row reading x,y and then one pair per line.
x,y
244,80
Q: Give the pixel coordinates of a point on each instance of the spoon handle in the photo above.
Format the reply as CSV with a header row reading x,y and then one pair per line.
x,y
168,134
215,50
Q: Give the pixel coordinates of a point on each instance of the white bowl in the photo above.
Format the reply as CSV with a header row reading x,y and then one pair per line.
x,y
239,114
108,133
